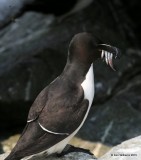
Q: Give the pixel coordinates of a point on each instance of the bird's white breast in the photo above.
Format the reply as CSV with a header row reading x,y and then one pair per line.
x,y
88,85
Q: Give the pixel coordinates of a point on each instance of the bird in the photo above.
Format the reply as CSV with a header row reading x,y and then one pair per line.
x,y
61,108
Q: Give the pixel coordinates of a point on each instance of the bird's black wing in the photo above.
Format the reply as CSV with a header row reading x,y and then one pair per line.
x,y
38,105
58,104
65,119
64,109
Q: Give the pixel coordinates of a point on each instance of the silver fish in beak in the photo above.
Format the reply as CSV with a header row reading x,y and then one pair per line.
x,y
108,53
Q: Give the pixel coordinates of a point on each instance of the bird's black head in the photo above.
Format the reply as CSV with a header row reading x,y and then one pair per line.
x,y
85,48
82,48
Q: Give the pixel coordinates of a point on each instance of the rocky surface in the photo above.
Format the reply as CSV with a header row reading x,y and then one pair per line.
x,y
117,118
98,149
70,156
128,150
33,50
73,153
9,9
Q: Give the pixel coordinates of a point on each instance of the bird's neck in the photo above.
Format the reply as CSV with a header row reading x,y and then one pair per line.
x,y
76,72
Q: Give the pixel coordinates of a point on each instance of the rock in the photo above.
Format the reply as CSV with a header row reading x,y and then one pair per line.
x,y
2,156
116,113
114,121
8,144
25,68
97,148
70,156
128,150
9,9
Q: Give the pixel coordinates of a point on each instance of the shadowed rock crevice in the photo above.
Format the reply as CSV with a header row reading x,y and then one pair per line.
x,y
11,10
50,6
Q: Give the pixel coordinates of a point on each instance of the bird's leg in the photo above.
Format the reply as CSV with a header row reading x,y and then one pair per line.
x,y
69,148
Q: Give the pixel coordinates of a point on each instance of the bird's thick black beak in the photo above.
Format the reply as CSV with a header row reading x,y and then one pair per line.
x,y
108,53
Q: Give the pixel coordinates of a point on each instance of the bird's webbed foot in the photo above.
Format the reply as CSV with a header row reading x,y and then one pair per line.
x,y
69,148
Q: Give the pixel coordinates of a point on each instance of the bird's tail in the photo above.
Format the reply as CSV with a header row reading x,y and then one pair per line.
x,y
13,157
